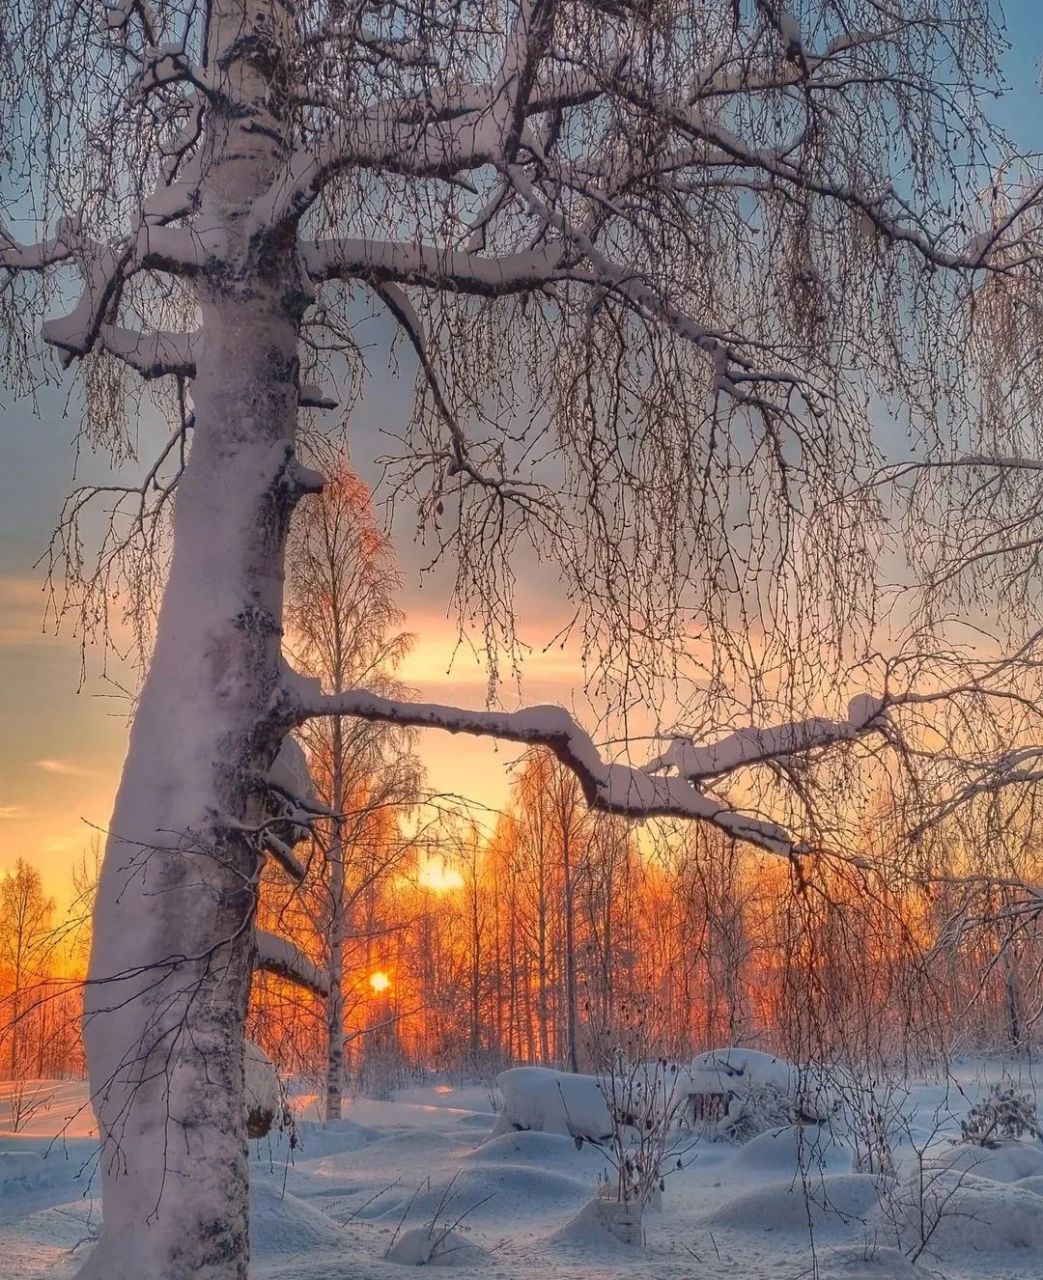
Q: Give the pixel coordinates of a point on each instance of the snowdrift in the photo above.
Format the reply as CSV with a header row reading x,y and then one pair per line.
x,y
830,1201
431,1247
1009,1162
860,1262
961,1213
281,1225
790,1148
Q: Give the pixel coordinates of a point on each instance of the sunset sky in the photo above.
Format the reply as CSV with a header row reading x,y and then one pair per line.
x,y
61,746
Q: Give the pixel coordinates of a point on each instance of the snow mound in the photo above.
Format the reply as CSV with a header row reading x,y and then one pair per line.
x,y
1007,1163
430,1247
855,1262
535,1148
318,1140
478,1120
281,1225
967,1213
486,1193
552,1102
792,1148
1035,1185
25,1170
588,1231
836,1200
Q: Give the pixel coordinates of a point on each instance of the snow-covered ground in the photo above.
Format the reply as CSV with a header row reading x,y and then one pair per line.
x,y
371,1184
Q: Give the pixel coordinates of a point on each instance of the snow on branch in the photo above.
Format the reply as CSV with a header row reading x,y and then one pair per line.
x,y
425,264
753,746
105,269
33,257
152,355
277,955
619,788
281,854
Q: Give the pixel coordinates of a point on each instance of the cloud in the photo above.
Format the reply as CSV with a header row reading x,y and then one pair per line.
x,y
64,767
13,811
23,605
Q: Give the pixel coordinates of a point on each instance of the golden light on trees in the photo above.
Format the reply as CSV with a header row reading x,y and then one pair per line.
x,y
379,981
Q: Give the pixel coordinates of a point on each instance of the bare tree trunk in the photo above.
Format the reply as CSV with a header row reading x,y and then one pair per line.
x,y
335,960
571,1013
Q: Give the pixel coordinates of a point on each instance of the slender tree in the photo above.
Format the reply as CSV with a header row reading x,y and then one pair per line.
x,y
651,265
344,629
25,924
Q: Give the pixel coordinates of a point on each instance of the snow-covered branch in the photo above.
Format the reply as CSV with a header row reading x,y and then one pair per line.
x,y
431,265
277,955
152,355
608,786
281,854
746,747
33,257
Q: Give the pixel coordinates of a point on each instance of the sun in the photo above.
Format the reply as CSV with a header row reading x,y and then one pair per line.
x,y
435,874
379,981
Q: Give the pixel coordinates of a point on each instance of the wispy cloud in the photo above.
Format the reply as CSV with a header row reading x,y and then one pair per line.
x,y
13,811
22,611
66,768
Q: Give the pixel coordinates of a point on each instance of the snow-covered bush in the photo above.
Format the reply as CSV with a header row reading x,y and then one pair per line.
x,y
763,1107
872,1116
646,1143
754,1092
1002,1115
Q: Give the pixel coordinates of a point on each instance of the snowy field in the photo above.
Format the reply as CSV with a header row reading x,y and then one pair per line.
x,y
355,1191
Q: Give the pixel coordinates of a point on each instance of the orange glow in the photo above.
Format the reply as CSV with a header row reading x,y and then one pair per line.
x,y
437,875
379,981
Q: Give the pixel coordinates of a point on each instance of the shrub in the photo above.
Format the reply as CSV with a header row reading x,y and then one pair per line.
x,y
1003,1114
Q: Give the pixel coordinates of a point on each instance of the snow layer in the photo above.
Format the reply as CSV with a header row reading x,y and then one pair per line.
x,y
331,1209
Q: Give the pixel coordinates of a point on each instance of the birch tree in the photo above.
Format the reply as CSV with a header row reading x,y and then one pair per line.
x,y
344,626
25,924
652,267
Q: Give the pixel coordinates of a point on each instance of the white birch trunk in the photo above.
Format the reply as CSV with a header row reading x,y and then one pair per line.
x,y
338,931
172,953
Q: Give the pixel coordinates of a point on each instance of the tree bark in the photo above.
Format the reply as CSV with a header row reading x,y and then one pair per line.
x,y
172,950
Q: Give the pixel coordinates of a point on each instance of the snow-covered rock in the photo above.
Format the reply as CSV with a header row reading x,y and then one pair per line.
x,y
552,1102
